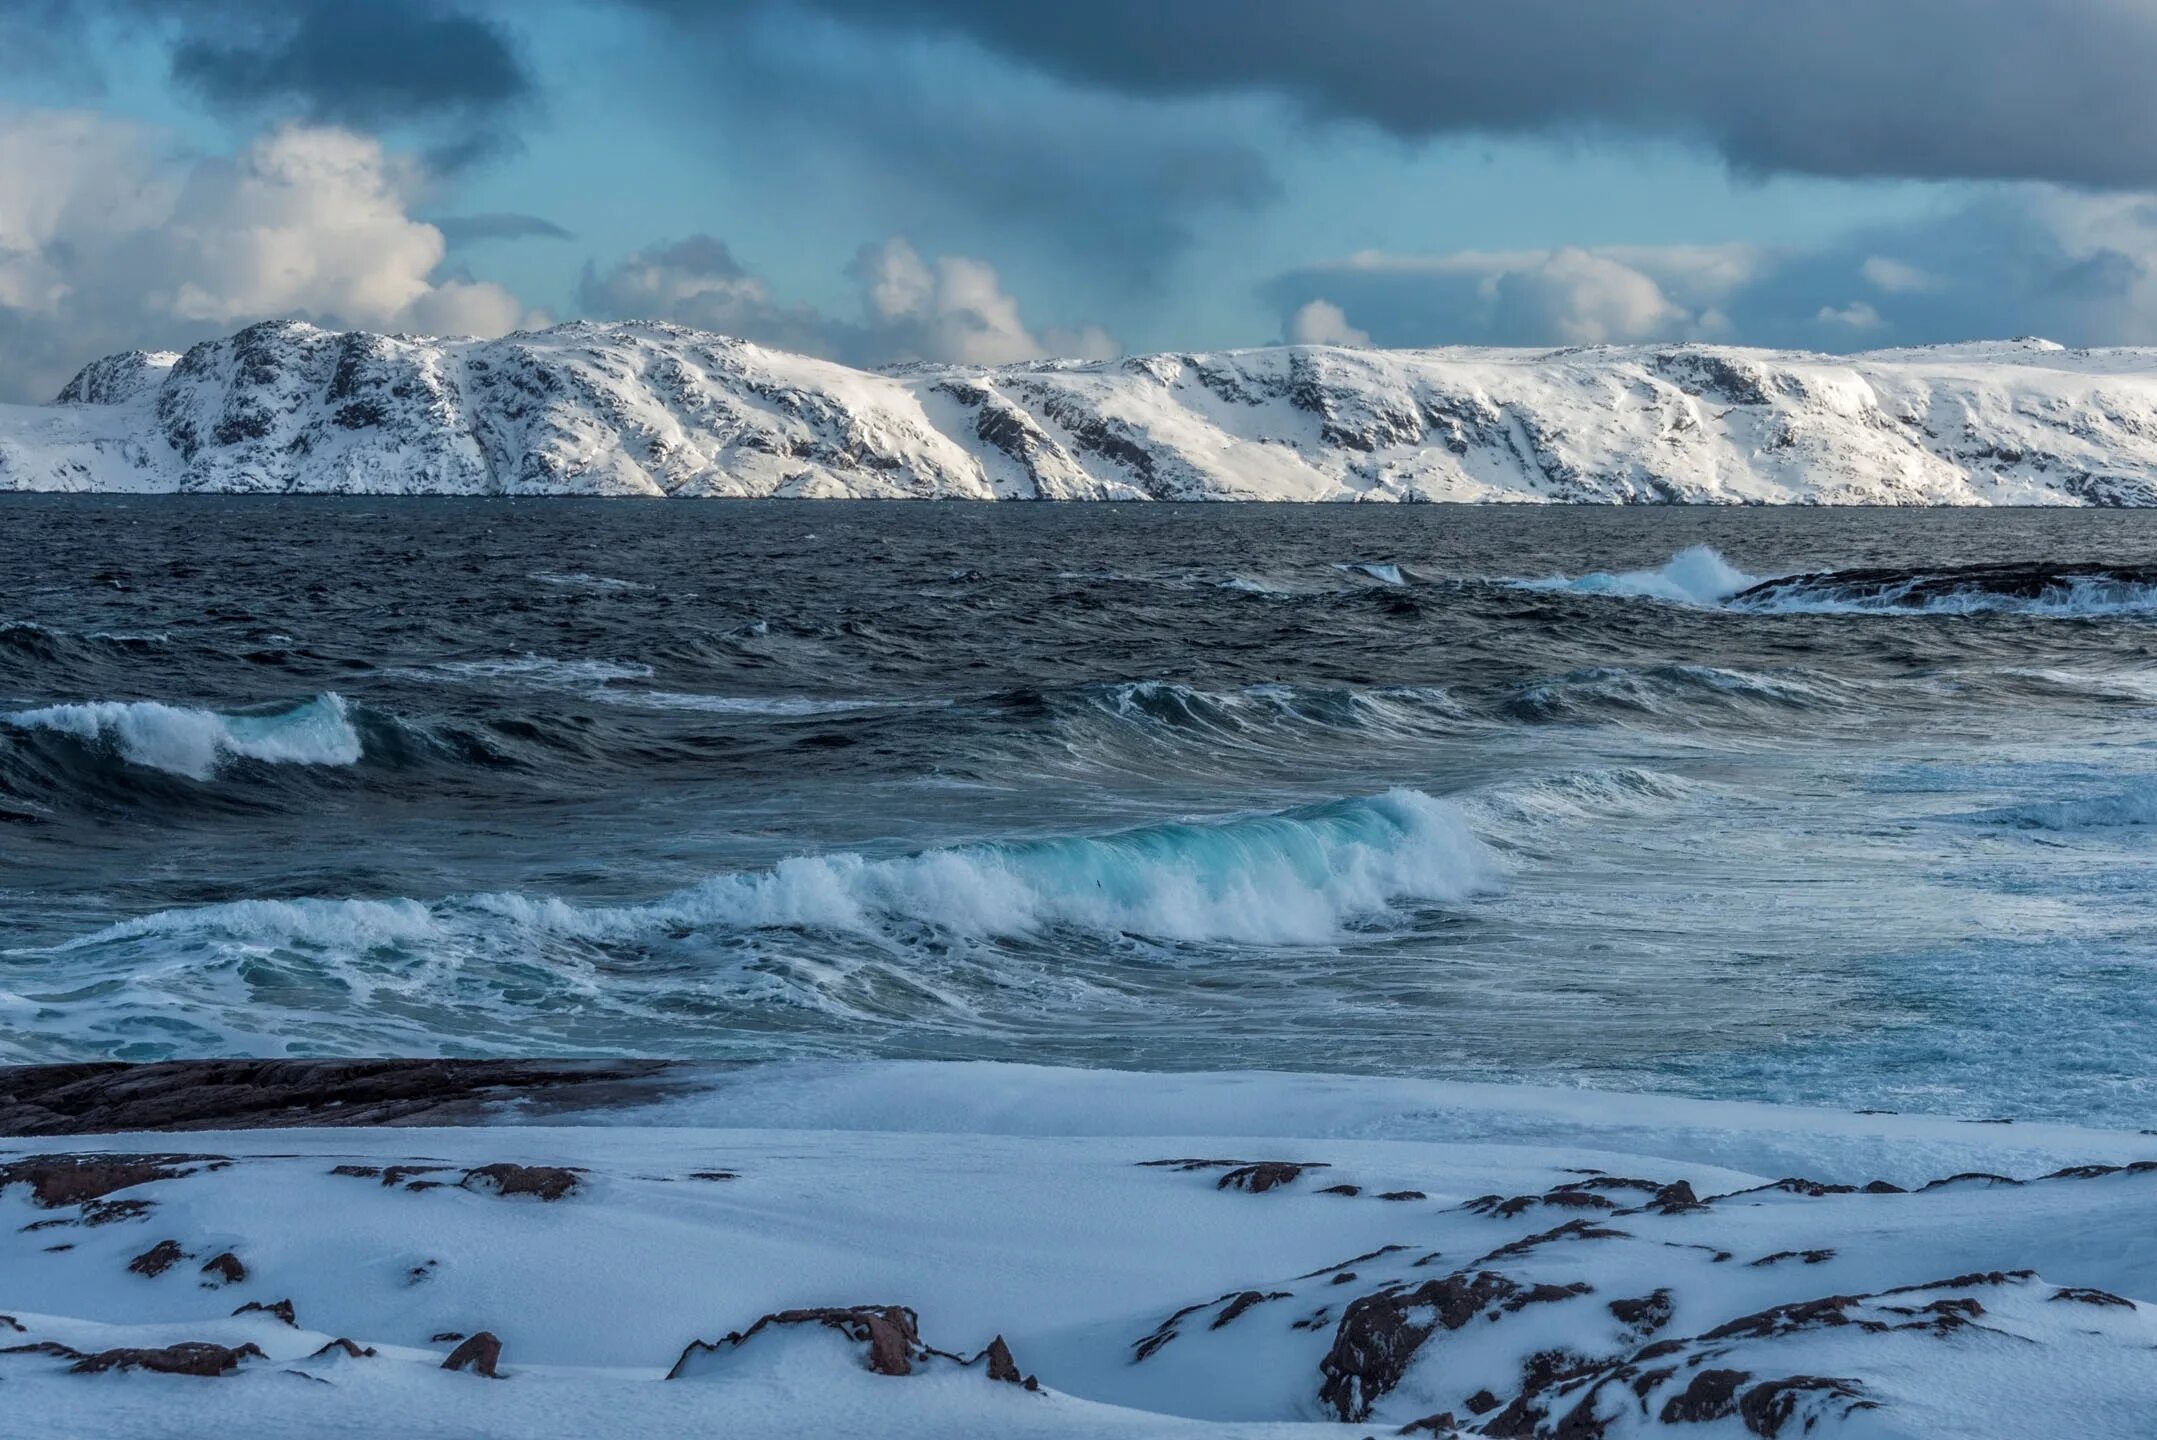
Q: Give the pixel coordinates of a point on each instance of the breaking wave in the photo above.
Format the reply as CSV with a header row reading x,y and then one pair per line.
x,y
1697,575
1304,876
195,743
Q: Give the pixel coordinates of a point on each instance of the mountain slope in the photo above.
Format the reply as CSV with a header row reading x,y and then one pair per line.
x,y
647,409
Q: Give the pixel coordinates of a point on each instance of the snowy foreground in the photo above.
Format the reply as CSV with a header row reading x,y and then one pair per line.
x,y
646,409
1445,1258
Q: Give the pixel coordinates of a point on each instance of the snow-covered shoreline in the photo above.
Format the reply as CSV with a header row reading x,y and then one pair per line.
x,y
1620,1265
657,410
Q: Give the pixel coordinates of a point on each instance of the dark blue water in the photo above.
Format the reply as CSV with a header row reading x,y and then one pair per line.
x,y
1531,793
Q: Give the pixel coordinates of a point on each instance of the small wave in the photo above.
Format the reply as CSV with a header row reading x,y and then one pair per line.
x,y
1384,574
1568,797
1697,575
1299,877
2043,590
539,670
583,580
1256,709
778,705
1663,689
194,743
2099,812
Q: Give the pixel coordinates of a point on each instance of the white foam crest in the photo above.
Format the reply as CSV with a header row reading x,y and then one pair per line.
x,y
1302,877
343,925
1697,575
184,741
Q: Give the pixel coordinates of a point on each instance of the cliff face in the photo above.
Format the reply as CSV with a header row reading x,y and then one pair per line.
x,y
641,409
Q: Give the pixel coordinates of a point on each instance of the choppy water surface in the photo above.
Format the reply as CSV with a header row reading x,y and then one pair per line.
x,y
1550,794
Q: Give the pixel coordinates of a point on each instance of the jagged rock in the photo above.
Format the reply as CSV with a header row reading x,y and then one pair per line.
x,y
546,1182
480,1354
1265,1175
278,1309
1380,1333
157,1259
193,1357
57,1180
106,1097
345,1347
223,1268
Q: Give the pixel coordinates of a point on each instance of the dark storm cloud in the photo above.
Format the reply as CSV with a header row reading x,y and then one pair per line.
x,y
497,225
389,61
2007,89
452,72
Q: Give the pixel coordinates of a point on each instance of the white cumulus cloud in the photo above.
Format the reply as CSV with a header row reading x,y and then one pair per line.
x,y
109,241
952,309
1321,322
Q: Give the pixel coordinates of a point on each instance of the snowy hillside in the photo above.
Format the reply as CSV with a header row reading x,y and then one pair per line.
x,y
646,409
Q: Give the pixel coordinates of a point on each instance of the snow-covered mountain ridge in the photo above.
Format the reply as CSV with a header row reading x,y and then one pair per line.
x,y
657,410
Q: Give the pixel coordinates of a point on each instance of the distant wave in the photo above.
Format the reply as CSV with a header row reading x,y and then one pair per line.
x,y
1696,575
1383,574
195,743
1299,877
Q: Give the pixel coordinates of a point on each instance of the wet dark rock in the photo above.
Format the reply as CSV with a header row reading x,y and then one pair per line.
x,y
481,1354
1712,1395
1342,1190
348,1347
1643,1315
1380,1333
891,1333
1236,1307
1264,1175
1404,1195
545,1182
444,1337
223,1268
57,1180
1810,1257
280,1309
2083,1295
157,1259
1969,1177
1570,1230
1767,1408
1882,1187
103,1098
714,1175
192,1357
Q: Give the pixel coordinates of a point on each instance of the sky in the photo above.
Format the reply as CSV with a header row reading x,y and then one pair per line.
x,y
983,181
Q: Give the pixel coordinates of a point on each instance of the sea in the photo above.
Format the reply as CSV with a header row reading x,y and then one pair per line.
x,y
1592,797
